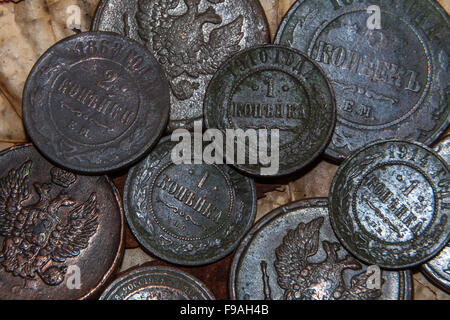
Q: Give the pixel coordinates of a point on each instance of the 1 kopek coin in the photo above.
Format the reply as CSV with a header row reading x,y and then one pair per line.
x,y
388,204
293,254
438,268
95,102
55,227
187,214
387,62
190,39
156,283
275,95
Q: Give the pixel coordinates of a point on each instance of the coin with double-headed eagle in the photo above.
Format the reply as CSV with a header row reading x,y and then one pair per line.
x,y
55,227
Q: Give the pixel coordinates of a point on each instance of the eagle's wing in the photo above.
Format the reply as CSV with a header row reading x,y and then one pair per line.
x,y
223,42
13,190
292,254
75,236
152,19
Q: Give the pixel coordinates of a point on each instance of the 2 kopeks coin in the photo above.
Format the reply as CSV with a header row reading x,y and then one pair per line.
x,y
156,283
390,79
55,227
95,102
293,254
188,214
388,204
281,91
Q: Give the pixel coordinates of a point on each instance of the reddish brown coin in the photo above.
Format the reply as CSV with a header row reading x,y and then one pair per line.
x,y
61,234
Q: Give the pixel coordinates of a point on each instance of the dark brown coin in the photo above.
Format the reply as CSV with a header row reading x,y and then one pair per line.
x,y
390,82
55,228
95,102
188,214
190,38
275,89
438,268
157,283
388,204
293,254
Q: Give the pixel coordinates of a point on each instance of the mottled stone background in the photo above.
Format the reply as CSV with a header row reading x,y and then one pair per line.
x,y
28,28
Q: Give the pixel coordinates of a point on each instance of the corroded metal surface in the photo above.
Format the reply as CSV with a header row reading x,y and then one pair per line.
x,y
157,283
55,226
390,82
292,253
190,38
389,204
188,214
95,102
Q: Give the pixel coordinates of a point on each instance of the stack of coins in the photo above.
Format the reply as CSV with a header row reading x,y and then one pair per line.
x,y
160,91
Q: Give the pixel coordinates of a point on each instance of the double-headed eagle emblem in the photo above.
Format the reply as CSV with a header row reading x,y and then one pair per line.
x,y
36,239
178,40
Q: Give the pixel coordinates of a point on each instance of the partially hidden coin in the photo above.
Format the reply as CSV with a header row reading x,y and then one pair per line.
x,y
156,283
388,204
387,62
188,214
438,268
293,254
95,102
190,38
55,227
280,91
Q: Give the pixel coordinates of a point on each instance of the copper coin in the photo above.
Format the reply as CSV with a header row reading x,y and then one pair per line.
x,y
190,38
388,204
438,268
157,283
187,214
55,228
387,62
293,254
95,102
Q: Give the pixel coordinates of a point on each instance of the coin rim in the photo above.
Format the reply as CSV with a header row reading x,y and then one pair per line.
x,y
324,144
331,154
138,270
179,259
127,161
331,202
119,255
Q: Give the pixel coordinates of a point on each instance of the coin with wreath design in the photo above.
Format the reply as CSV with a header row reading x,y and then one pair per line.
x,y
388,204
95,102
188,214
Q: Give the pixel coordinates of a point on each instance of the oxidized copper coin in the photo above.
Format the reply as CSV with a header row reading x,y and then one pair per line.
x,y
388,204
190,38
273,88
438,268
293,254
188,214
95,102
157,283
55,227
390,82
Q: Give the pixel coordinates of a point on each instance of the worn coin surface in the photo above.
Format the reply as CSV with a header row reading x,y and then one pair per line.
x,y
55,227
388,204
188,214
293,254
95,102
157,283
273,88
438,268
190,38
390,82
